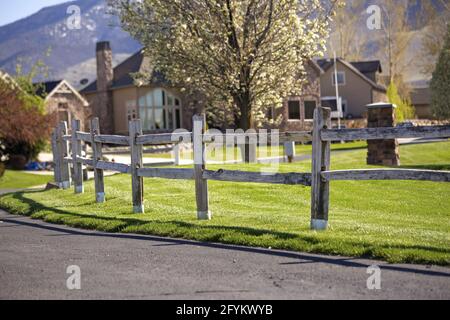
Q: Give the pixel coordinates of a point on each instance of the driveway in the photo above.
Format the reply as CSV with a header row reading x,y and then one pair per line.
x,y
34,257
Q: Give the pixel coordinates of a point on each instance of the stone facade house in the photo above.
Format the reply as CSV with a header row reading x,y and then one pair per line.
x,y
61,98
116,98
358,84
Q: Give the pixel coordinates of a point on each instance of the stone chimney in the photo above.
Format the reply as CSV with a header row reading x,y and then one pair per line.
x,y
103,108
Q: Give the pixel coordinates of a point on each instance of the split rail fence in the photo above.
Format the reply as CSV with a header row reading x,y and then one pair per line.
x,y
67,151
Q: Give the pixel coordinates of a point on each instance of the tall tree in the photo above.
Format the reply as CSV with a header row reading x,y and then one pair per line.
x,y
440,83
345,38
247,53
434,18
396,26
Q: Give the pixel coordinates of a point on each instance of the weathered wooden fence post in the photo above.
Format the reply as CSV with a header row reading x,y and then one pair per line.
x,y
56,158
76,152
177,154
320,189
289,150
201,185
97,156
137,183
63,147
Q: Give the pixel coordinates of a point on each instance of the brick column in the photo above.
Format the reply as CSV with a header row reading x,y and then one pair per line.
x,y
382,152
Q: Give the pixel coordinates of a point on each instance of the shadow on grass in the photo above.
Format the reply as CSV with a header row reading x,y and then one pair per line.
x,y
303,258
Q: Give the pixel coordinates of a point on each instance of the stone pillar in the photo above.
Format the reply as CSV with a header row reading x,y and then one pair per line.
x,y
382,152
103,106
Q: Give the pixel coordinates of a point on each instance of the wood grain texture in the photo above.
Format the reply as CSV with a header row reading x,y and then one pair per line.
x,y
292,178
387,174
320,162
167,173
56,158
166,138
113,139
112,166
83,136
201,184
64,152
385,133
99,178
76,152
137,183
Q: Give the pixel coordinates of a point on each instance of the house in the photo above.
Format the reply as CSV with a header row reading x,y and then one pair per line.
x,y
358,84
298,111
64,100
421,101
116,98
60,98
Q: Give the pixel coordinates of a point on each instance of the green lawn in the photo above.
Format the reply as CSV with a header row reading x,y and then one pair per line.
x,y
397,221
300,149
19,179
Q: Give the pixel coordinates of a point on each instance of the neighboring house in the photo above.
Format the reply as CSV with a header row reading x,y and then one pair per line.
x,y
60,97
358,85
115,98
421,101
298,111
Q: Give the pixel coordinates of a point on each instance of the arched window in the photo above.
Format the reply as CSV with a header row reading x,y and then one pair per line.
x,y
159,110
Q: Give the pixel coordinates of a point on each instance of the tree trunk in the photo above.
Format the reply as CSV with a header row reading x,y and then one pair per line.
x,y
246,122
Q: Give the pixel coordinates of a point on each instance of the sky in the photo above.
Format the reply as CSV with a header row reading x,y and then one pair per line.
x,y
12,10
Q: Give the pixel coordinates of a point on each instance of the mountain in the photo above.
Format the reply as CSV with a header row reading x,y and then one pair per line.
x,y
72,51
72,54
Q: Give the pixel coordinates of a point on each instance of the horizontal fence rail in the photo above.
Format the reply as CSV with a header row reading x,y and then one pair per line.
x,y
258,177
385,133
112,139
169,173
69,165
112,166
166,138
387,174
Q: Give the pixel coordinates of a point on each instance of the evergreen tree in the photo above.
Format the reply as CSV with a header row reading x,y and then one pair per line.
x,y
440,84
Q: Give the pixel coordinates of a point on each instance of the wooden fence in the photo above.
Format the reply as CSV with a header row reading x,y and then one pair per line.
x,y
319,179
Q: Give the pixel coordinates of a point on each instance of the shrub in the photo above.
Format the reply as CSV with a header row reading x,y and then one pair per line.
x,y
24,125
404,108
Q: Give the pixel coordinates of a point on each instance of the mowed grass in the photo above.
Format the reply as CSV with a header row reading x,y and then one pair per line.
x,y
396,221
221,155
19,180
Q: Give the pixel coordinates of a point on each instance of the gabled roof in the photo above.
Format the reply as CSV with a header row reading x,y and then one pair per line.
x,y
316,66
47,89
137,63
365,66
368,66
8,79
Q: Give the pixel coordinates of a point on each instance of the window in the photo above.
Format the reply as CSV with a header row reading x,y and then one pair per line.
x,y
340,78
310,106
63,112
270,113
294,110
160,110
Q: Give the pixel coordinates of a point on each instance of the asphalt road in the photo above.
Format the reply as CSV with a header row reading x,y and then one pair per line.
x,y
34,257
